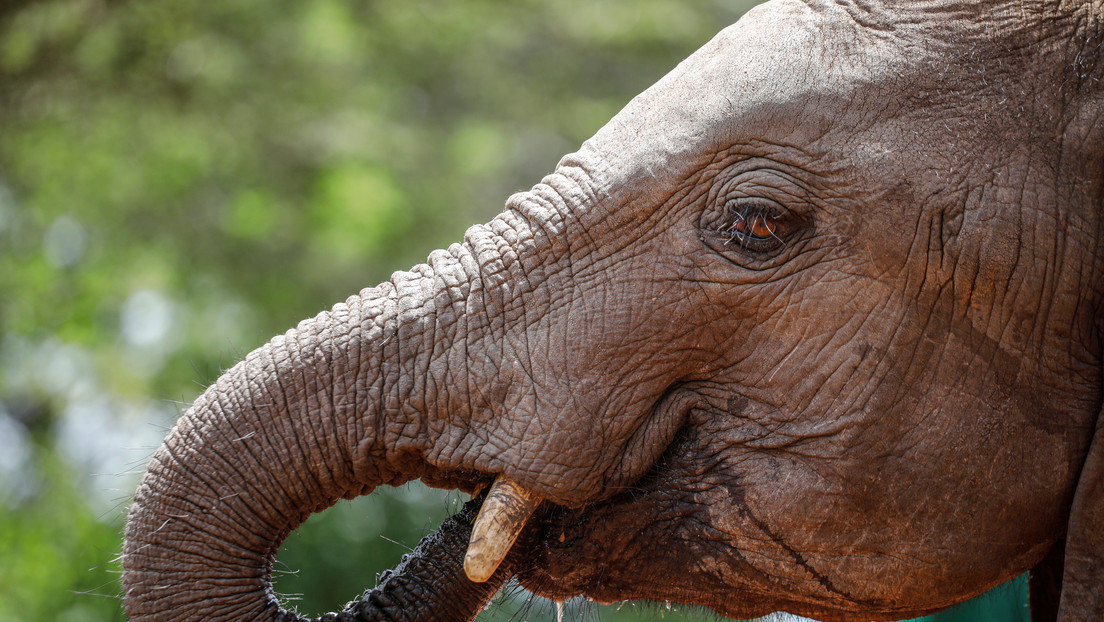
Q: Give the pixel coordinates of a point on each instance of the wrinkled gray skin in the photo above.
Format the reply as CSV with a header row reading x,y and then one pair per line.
x,y
886,410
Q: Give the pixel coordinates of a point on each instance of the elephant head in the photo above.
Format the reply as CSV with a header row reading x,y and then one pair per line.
x,y
815,323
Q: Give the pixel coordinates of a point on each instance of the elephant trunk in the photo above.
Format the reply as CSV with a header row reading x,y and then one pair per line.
x,y
346,401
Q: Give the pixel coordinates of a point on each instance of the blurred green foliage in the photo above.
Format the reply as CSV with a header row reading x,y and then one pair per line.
x,y
179,181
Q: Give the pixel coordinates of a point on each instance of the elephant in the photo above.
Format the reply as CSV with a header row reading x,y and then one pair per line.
x,y
814,324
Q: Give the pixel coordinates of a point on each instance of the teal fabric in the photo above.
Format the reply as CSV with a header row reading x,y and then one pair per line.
x,y
1004,603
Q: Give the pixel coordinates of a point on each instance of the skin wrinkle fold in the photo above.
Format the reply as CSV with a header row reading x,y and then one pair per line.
x,y
189,516
220,494
340,410
283,433
243,480
320,404
291,432
294,396
287,437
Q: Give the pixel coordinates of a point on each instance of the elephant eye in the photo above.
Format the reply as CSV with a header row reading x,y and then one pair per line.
x,y
754,231
752,226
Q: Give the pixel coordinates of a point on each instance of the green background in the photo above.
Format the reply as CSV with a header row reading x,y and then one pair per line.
x,y
181,180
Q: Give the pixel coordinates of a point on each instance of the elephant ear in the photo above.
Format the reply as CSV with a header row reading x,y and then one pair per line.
x,y
1083,575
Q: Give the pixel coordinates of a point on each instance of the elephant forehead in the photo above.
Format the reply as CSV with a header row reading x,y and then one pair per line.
x,y
761,79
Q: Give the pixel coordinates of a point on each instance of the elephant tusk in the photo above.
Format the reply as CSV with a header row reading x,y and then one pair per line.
x,y
500,520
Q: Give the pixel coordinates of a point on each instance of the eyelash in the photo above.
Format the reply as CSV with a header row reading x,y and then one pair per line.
x,y
752,225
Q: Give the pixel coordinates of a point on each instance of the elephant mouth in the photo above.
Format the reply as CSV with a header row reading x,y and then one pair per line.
x,y
552,531
564,552
509,510
570,552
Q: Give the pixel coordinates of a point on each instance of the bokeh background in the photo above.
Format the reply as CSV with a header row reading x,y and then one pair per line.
x,y
181,180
